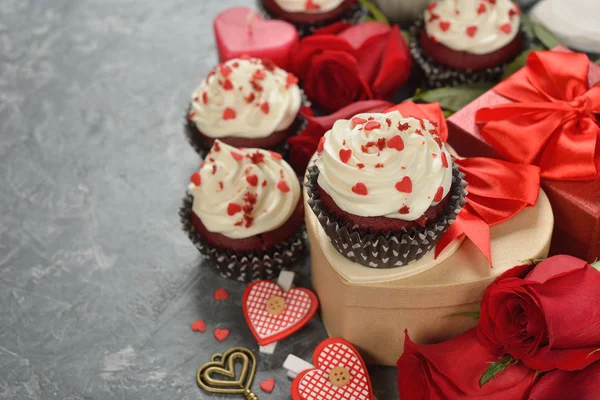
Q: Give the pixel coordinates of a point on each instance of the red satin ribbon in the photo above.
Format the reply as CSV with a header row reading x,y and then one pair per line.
x,y
498,190
551,122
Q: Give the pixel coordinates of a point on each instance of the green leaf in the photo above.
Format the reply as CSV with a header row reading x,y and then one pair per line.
x,y
495,368
474,314
596,264
375,12
519,62
545,36
454,98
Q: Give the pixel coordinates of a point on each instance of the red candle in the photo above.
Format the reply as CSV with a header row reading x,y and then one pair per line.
x,y
241,31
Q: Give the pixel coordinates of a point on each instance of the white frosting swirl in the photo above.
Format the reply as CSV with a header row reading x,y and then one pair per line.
x,y
475,26
243,192
390,166
308,6
246,98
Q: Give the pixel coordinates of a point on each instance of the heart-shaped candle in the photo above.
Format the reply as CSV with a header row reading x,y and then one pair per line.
x,y
241,31
273,314
339,373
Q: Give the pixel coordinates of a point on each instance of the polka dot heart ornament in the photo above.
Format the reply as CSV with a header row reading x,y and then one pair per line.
x,y
274,311
339,372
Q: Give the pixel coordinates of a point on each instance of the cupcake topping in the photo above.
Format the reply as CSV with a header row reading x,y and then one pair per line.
x,y
228,198
396,170
248,98
475,26
308,6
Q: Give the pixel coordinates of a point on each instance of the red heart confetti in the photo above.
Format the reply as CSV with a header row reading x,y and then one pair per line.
x,y
252,180
196,179
233,208
403,126
506,28
481,9
225,70
275,155
205,98
265,107
438,195
396,143
444,25
283,186
291,80
199,326
321,145
405,185
229,113
227,85
360,165
267,385
404,210
372,125
310,5
345,155
471,30
221,334
221,294
358,120
360,189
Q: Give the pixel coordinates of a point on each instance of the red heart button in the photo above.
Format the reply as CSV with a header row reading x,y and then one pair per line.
x,y
238,33
272,314
339,373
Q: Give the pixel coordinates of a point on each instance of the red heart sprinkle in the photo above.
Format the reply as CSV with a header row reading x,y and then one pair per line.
x,y
403,126
360,189
229,113
221,334
404,210
438,195
321,145
481,9
227,85
259,75
265,107
205,98
372,125
506,28
360,165
396,143
225,71
283,186
388,121
250,98
221,294
252,180
268,385
431,7
196,179
199,326
358,120
514,11
275,155
471,30
311,6
345,155
444,25
405,185
233,208
291,80
492,1
444,160
236,156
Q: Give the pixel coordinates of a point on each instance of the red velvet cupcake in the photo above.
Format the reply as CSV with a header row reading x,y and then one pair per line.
x,y
244,212
245,103
467,41
309,14
384,188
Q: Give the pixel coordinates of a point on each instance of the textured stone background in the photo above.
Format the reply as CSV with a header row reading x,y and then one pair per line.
x,y
98,285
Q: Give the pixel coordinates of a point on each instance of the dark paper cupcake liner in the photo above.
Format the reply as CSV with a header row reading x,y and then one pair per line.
x,y
202,146
437,75
248,267
353,15
394,249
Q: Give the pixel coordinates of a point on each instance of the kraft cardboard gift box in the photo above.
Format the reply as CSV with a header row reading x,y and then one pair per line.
x,y
576,204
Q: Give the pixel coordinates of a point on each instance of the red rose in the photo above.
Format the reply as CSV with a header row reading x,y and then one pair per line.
x,y
547,316
341,64
304,145
452,369
569,385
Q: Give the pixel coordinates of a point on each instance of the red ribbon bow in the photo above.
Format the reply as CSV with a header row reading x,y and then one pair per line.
x,y
497,190
551,122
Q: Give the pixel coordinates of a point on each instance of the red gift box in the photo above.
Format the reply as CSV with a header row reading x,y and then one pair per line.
x,y
576,204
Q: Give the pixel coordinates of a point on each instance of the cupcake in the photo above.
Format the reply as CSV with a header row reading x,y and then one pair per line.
x,y
245,103
243,212
309,14
467,41
384,188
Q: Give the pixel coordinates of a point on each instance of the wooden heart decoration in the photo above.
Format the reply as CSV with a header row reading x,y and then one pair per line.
x,y
339,373
273,314
241,31
219,376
